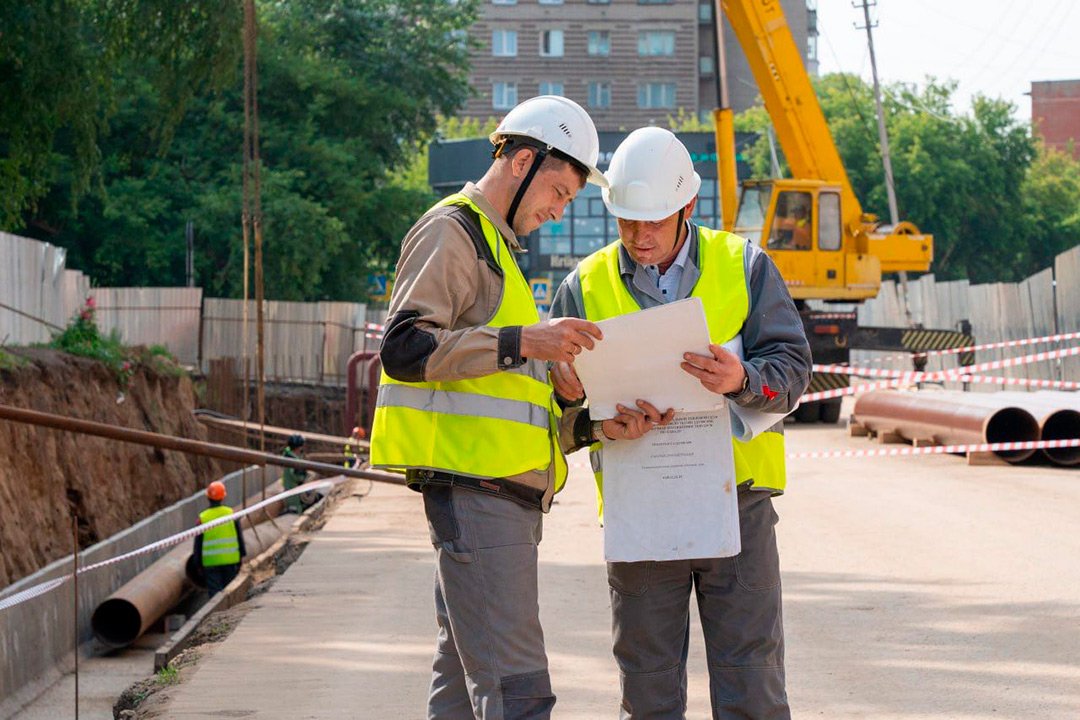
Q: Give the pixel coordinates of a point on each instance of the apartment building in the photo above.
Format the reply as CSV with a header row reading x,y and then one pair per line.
x,y
629,62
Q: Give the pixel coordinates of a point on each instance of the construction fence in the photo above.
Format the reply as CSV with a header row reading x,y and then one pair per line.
x,y
312,342
303,342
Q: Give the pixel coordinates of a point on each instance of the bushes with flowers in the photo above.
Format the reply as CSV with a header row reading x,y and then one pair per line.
x,y
83,337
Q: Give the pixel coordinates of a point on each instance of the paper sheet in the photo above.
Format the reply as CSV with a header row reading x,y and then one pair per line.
x,y
640,358
671,494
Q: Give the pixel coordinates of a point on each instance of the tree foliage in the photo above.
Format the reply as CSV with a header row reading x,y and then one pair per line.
x,y
999,207
348,90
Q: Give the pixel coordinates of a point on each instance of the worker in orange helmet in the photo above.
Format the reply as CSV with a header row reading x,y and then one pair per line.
x,y
220,548
352,447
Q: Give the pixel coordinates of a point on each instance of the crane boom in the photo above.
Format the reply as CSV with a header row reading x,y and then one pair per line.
x,y
777,66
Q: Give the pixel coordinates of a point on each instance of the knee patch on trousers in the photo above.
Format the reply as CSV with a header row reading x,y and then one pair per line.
x,y
644,694
527,696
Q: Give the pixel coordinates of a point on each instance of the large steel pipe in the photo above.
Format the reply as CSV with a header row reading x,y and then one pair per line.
x,y
947,421
1058,414
1056,420
129,612
126,614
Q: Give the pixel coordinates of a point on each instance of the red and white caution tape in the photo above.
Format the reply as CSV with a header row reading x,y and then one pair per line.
x,y
1060,337
954,374
374,331
936,449
49,585
832,316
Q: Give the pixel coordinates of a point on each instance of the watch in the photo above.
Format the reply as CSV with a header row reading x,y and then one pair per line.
x,y
740,391
598,431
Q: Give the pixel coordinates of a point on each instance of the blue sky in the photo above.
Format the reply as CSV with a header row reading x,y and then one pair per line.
x,y
992,47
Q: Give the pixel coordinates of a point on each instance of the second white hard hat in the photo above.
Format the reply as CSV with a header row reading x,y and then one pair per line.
x,y
651,176
559,123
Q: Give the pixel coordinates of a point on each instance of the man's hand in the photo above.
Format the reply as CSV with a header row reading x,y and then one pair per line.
x,y
631,424
560,339
722,373
566,382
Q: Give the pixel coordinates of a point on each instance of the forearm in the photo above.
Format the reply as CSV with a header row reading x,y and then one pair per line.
x,y
776,354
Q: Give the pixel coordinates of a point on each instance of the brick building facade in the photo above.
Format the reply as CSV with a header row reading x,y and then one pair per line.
x,y
628,62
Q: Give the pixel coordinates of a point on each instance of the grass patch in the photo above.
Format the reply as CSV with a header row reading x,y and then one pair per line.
x,y
10,362
167,675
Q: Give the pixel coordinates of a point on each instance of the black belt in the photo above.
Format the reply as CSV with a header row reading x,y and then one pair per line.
x,y
500,487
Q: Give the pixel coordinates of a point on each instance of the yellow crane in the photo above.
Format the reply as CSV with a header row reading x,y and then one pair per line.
x,y
811,224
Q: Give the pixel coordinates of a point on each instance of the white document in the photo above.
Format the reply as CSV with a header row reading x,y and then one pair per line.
x,y
747,424
671,494
640,357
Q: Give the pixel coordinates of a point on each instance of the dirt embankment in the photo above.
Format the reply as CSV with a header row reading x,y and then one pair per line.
x,y
46,475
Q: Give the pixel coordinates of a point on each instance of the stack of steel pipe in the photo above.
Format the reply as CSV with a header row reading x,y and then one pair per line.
x,y
946,419
1057,413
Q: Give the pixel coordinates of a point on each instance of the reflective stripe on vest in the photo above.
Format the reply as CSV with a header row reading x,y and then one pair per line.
x,y
498,425
220,545
722,289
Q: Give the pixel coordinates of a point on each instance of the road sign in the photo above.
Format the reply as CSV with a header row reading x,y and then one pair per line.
x,y
378,286
541,290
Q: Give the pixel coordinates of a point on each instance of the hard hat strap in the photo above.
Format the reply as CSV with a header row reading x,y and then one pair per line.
x,y
541,153
679,225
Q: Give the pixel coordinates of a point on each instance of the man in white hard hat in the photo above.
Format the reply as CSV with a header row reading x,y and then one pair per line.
x,y
662,256
466,408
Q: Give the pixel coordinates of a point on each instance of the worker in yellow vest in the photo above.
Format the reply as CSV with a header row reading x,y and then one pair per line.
x,y
466,409
220,548
662,256
352,447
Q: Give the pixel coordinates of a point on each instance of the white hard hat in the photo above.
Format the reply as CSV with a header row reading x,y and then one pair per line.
x,y
651,176
558,123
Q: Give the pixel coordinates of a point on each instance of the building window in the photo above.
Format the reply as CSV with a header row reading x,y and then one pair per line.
x,y
599,42
656,42
504,43
656,95
504,2
600,95
551,2
705,12
705,65
598,2
551,87
551,43
503,95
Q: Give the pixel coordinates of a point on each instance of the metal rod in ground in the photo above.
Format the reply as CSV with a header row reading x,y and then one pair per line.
x,y
194,447
75,603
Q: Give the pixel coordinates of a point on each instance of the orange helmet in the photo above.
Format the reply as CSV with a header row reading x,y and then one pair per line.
x,y
358,432
216,491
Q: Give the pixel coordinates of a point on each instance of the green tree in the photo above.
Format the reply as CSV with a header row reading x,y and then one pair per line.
x,y
1051,195
348,91
58,63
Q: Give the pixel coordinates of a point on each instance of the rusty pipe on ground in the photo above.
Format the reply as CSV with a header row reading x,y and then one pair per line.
x,y
947,421
195,447
1058,415
130,611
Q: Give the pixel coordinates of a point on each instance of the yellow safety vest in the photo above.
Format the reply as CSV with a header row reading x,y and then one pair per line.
x,y
722,289
494,426
219,544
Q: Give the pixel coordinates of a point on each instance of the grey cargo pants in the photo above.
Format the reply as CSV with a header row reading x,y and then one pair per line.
x,y
739,602
489,661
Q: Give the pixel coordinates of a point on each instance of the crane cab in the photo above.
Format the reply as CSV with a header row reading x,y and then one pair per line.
x,y
799,223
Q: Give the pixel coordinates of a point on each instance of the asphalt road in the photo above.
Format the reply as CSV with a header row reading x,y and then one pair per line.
x,y
914,588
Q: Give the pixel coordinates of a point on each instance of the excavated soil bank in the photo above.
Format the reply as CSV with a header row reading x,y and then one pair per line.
x,y
46,475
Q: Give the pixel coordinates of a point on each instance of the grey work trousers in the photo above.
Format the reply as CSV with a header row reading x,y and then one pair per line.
x,y
490,662
739,602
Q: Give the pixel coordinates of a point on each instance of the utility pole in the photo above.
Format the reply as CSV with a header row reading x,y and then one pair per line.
x,y
883,135
189,236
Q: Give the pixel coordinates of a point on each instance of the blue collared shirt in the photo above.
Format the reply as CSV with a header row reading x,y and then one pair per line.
x,y
668,283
